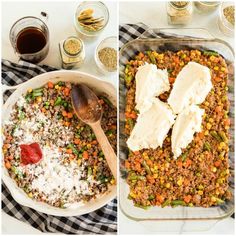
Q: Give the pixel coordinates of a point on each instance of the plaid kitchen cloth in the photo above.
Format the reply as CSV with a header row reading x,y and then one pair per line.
x,y
101,221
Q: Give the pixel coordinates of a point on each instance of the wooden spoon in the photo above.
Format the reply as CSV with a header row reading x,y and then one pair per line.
x,y
87,108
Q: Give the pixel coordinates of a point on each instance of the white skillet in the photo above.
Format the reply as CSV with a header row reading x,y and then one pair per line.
x,y
100,87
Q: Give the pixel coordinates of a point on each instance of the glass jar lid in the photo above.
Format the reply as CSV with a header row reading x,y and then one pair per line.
x,y
72,46
180,4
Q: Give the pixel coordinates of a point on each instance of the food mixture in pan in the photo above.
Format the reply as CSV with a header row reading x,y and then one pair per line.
x,y
196,173
52,155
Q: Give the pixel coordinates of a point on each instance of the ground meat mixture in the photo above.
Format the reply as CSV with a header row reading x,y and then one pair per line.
x,y
199,177
73,168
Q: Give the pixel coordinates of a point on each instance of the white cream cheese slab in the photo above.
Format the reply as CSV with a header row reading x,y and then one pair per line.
x,y
191,86
150,82
187,123
151,127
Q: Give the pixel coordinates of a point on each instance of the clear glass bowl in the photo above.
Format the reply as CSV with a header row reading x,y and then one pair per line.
x,y
173,43
224,25
100,10
110,42
206,6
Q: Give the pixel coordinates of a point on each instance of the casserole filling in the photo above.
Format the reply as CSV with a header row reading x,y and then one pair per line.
x,y
72,169
199,175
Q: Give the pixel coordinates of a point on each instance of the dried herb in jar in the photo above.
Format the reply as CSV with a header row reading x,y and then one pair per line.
x,y
229,14
108,57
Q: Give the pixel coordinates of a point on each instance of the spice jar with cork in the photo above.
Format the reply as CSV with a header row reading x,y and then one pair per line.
x,y
72,52
179,13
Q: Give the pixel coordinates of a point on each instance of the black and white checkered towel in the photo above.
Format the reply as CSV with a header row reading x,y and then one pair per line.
x,y
101,221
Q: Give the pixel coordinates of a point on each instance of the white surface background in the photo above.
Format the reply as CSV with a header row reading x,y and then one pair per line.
x,y
61,26
154,15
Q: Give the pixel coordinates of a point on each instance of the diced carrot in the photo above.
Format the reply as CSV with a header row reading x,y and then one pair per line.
x,y
176,60
66,91
179,164
218,109
127,164
186,182
43,109
171,80
64,113
131,115
187,198
227,122
85,155
95,154
138,167
150,179
217,79
217,163
201,135
8,165
149,162
66,123
10,158
69,151
77,141
188,163
72,156
159,198
50,85
9,137
69,115
94,142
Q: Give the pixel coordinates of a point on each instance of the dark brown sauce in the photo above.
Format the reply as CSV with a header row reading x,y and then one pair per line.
x,y
30,40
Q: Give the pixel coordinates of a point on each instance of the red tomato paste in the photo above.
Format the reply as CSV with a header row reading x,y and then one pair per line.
x,y
30,154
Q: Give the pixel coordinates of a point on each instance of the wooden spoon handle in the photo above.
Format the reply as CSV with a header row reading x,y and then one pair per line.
x,y
106,148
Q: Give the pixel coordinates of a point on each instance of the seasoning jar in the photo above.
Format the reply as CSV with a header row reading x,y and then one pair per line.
x,y
106,55
206,6
72,52
226,20
179,13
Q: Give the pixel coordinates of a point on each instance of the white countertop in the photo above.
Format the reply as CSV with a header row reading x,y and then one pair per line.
x,y
154,15
61,26
60,23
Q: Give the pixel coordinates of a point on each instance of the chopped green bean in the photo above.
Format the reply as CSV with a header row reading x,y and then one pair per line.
x,y
207,146
131,123
210,53
128,80
223,136
177,203
151,197
58,101
184,156
216,136
146,167
151,57
141,206
74,150
166,203
107,101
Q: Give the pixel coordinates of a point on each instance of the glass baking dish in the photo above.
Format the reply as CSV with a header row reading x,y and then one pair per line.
x,y
160,40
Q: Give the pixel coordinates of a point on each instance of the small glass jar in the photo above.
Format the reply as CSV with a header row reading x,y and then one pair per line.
x,y
179,13
72,52
225,26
